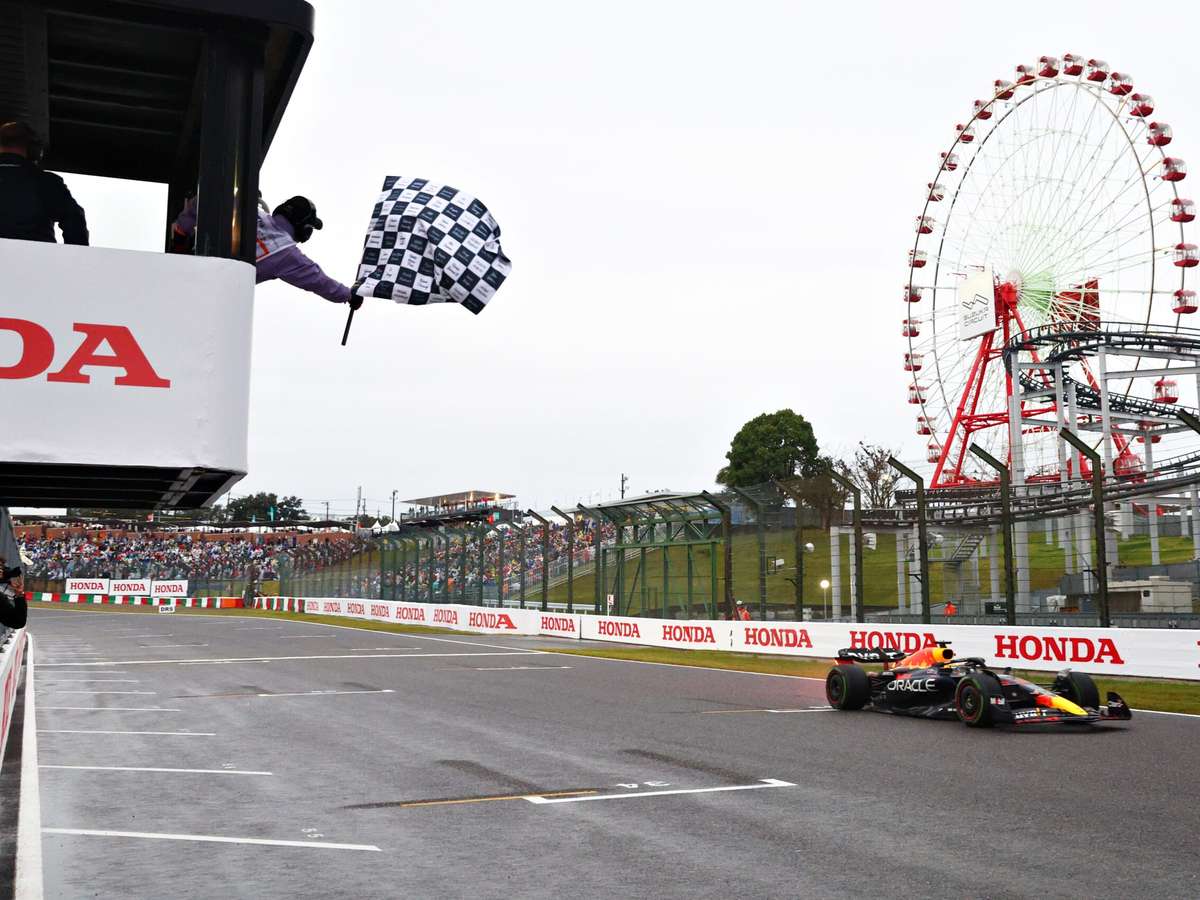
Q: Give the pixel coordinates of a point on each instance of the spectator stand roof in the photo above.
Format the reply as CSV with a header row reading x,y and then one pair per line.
x,y
460,500
117,86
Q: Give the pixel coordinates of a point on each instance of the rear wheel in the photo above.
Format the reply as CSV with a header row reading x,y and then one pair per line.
x,y
847,687
1078,688
973,700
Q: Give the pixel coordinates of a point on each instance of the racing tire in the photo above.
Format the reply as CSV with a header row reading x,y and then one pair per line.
x,y
1079,688
973,700
847,687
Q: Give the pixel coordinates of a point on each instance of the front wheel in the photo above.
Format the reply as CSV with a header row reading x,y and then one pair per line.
x,y
1079,688
847,687
973,700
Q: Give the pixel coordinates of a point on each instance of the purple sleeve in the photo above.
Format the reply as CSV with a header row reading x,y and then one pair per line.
x,y
185,222
293,267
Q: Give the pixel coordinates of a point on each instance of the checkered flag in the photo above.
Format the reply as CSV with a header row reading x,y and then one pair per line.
x,y
431,243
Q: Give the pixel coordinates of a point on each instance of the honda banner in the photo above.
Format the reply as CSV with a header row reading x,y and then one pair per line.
x,y
129,587
86,586
169,588
1160,652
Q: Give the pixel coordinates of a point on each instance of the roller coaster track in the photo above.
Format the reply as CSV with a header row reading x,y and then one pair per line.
x,y
1065,343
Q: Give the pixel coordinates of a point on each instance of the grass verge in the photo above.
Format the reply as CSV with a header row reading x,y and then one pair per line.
x,y
1141,693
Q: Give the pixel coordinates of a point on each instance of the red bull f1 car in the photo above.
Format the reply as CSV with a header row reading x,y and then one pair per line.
x,y
933,684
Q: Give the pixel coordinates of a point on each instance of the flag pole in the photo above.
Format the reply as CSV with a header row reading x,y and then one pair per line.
x,y
349,322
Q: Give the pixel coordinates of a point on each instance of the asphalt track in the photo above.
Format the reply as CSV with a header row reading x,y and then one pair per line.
x,y
407,773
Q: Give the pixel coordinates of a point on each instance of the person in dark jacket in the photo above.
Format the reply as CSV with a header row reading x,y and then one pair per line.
x,y
32,201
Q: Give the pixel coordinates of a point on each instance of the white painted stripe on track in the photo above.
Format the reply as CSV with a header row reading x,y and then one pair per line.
x,y
517,668
157,769
764,783
209,838
116,708
143,693
242,659
1163,712
92,681
159,733
326,693
28,877
646,662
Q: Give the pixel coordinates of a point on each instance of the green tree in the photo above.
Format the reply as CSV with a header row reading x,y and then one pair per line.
x,y
774,445
264,507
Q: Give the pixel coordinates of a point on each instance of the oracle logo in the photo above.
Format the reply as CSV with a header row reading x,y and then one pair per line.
x,y
618,629
356,609
908,641
382,610
694,634
777,637
1057,649
38,352
558,623
412,614
490,620
446,616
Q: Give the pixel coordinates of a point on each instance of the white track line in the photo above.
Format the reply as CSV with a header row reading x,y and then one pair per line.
x,y
517,668
327,693
254,659
116,708
143,693
157,769
159,733
28,878
209,838
764,783
1163,712
92,681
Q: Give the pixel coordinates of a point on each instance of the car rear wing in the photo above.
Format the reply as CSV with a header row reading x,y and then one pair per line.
x,y
883,655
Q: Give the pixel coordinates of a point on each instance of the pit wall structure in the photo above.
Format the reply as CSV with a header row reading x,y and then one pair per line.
x,y
11,655
1151,652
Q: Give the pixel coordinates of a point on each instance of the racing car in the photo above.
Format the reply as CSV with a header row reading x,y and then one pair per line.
x,y
933,684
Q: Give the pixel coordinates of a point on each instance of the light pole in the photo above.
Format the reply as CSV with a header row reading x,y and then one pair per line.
x,y
825,598
394,495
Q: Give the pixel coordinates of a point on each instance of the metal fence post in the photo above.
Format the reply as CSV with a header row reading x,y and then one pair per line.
x,y
727,541
545,556
922,533
1098,503
481,533
859,560
570,558
1010,595
799,535
761,537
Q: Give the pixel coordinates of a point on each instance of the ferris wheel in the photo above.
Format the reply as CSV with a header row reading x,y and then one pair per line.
x,y
1057,203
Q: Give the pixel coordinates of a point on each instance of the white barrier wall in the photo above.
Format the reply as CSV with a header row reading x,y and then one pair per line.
x,y
10,673
1157,652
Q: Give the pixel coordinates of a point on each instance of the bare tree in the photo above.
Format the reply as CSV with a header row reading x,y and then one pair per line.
x,y
870,471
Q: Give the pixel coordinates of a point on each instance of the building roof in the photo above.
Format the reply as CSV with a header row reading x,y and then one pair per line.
x,y
461,498
115,86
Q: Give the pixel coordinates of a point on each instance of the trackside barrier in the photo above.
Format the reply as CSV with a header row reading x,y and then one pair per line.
x,y
280,604
1158,652
193,602
11,655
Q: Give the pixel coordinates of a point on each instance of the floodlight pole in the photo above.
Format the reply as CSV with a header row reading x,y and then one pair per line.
x,y
922,533
1098,503
799,532
545,555
570,557
858,541
727,540
1010,596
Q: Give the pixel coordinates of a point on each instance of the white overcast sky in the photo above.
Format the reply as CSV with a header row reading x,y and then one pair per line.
x,y
707,206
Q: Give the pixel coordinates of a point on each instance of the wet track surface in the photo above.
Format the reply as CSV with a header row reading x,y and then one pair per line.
x,y
204,756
